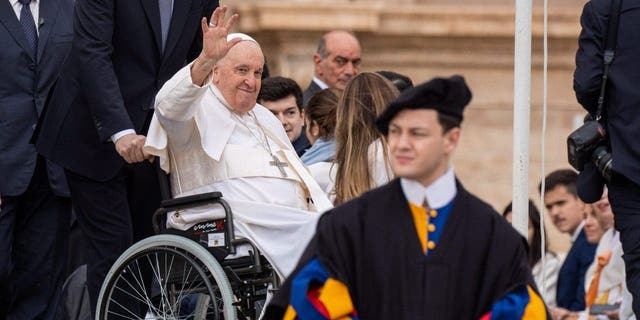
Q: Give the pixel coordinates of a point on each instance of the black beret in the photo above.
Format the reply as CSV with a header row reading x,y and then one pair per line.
x,y
448,96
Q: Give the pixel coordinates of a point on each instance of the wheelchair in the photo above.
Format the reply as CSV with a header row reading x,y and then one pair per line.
x,y
189,275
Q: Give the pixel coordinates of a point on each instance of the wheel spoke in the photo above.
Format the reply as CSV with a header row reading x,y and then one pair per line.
x,y
139,280
133,296
164,299
135,316
184,283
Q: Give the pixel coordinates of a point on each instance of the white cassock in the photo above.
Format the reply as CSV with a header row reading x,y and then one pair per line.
x,y
205,146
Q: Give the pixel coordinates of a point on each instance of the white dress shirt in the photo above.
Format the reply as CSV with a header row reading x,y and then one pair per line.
x,y
576,233
320,83
35,10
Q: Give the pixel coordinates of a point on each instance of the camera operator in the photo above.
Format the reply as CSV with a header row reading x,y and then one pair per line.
x,y
621,117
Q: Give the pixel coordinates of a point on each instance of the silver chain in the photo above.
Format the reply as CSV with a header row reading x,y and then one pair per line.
x,y
266,145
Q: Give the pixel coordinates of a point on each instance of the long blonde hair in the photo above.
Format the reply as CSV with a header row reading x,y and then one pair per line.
x,y
362,101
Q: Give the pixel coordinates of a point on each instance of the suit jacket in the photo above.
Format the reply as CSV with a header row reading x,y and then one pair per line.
x,y
570,290
301,144
622,100
25,82
311,89
109,82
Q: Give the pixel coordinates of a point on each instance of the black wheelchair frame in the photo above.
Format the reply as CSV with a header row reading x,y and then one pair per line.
x,y
185,268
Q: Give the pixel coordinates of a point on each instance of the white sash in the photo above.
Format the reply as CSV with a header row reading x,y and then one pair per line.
x,y
320,200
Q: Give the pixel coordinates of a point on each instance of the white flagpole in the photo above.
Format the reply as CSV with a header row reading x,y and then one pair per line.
x,y
521,115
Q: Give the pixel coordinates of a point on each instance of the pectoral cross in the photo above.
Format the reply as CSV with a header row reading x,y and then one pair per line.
x,y
276,162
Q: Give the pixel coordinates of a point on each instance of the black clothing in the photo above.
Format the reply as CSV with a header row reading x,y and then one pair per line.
x,y
110,220
622,97
302,144
625,204
311,89
622,114
34,229
35,210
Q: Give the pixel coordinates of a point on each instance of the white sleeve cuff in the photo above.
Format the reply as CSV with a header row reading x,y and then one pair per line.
x,y
121,134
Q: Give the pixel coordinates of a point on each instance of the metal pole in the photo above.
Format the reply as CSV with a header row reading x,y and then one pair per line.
x,y
521,114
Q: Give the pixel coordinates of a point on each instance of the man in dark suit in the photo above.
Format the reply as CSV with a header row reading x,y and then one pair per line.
x,y
568,213
95,126
34,214
621,117
336,61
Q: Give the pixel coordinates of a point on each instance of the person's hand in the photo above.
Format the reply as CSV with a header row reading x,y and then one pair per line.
x,y
571,316
558,313
214,35
613,314
214,44
129,147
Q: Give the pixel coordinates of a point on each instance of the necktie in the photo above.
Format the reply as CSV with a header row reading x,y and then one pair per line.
x,y
166,9
592,292
29,26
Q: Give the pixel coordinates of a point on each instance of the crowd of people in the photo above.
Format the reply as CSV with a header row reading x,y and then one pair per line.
x,y
347,188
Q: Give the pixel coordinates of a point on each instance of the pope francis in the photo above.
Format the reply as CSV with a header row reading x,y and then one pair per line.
x,y
210,135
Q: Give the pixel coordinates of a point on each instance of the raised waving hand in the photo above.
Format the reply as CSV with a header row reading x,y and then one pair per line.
x,y
214,43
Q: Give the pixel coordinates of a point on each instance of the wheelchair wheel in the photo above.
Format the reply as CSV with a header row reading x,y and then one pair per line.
x,y
166,277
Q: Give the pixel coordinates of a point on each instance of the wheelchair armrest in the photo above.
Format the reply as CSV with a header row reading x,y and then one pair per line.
x,y
190,201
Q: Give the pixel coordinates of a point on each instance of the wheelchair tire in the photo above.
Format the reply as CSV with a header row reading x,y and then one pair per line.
x,y
182,272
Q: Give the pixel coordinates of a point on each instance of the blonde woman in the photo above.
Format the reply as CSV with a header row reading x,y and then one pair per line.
x,y
362,161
